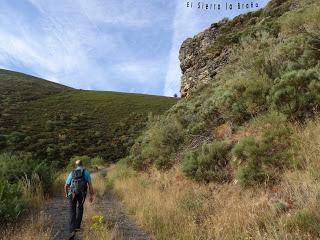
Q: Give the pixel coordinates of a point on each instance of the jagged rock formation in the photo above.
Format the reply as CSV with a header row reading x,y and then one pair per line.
x,y
199,65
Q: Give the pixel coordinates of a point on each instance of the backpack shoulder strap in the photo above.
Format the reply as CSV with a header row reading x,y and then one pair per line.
x,y
73,173
83,173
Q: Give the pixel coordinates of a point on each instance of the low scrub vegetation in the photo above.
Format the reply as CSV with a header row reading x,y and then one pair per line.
x,y
249,139
287,209
55,122
158,144
208,163
24,182
36,226
263,156
273,73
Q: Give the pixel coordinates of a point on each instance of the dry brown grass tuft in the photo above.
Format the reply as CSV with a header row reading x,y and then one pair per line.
x,y
32,191
169,206
34,227
95,225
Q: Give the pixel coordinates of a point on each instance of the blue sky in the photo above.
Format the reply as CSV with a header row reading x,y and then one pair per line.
x,y
127,45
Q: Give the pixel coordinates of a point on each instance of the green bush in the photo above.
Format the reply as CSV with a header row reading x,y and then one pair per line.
x,y
272,66
208,163
15,167
297,93
11,202
97,161
157,144
261,159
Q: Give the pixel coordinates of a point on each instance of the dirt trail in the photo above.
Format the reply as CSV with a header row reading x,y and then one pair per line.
x,y
108,206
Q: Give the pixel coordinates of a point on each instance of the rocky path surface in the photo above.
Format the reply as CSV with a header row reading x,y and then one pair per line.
x,y
109,206
57,211
118,219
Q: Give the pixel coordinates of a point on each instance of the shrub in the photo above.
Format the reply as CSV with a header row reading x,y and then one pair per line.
x,y
262,159
297,93
208,163
121,171
97,161
16,167
32,190
11,203
158,144
306,221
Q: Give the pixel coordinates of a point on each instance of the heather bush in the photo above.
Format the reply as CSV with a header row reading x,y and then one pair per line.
x,y
262,158
208,163
158,143
11,202
22,180
15,167
297,93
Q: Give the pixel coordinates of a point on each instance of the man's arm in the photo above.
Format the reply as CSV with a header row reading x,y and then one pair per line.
x,y
66,186
89,181
66,189
91,189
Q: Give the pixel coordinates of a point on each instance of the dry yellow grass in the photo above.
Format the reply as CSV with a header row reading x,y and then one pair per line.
x,y
95,225
34,227
169,206
32,191
93,228
38,226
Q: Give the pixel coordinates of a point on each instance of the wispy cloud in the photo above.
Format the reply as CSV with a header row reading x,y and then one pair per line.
x,y
126,45
129,13
85,44
188,22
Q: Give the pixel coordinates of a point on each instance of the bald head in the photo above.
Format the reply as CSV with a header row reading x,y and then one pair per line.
x,y
79,163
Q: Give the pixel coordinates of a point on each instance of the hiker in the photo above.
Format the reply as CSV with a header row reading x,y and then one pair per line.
x,y
78,181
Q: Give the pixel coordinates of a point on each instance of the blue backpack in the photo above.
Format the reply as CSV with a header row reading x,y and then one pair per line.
x,y
78,183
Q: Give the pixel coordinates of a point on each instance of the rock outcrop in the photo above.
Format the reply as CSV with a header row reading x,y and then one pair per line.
x,y
198,64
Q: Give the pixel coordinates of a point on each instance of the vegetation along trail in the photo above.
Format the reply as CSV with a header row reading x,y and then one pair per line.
x,y
105,218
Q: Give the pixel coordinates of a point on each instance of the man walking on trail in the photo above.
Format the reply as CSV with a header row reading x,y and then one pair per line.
x,y
78,181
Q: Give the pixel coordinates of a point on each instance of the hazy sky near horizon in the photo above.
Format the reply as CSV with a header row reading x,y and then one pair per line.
x,y
127,45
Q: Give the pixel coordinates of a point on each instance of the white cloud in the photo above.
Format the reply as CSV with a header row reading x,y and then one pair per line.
x,y
65,40
140,71
187,23
62,47
86,43
129,13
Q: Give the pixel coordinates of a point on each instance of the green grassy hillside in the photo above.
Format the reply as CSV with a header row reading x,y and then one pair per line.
x,y
55,122
239,157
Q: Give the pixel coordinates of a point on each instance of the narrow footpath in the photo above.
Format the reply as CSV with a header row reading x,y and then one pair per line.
x,y
117,219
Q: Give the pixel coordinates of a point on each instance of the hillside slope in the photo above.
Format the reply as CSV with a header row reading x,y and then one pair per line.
x,y
237,157
55,122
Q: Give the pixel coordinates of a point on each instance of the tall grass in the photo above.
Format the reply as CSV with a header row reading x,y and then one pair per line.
x,y
34,227
169,206
95,224
32,191
24,184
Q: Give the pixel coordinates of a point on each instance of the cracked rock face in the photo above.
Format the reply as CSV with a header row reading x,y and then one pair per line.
x,y
198,64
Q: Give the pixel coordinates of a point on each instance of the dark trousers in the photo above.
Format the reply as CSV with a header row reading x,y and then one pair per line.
x,y
76,211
